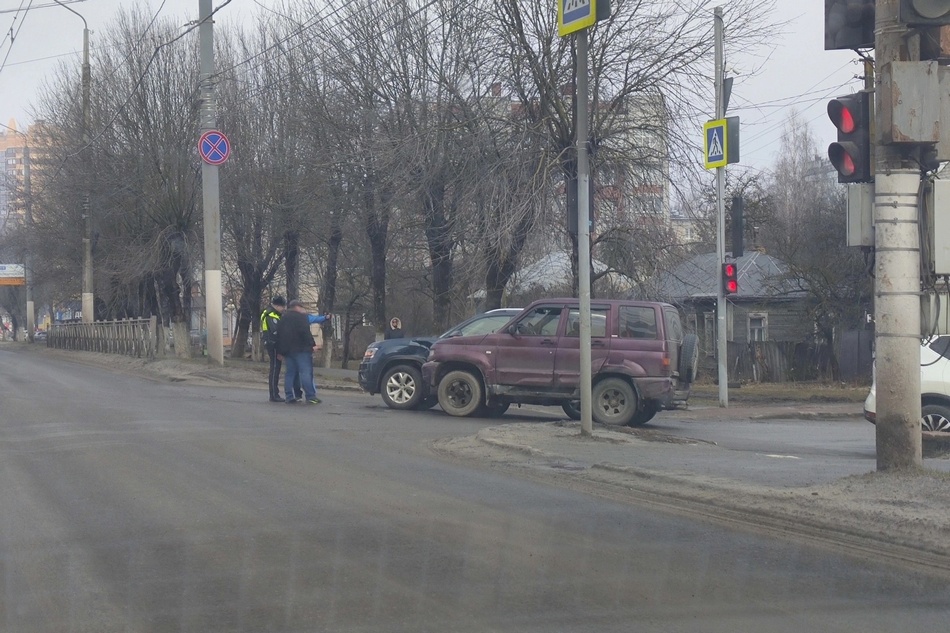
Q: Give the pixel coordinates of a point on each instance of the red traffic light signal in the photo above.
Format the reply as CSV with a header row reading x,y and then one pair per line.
x,y
851,155
730,278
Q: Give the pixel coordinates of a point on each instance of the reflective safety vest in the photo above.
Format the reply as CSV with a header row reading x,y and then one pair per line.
x,y
269,320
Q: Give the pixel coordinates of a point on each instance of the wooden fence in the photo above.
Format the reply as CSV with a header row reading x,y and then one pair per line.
x,y
129,337
772,361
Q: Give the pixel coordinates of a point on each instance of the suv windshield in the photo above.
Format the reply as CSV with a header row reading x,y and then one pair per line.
x,y
484,324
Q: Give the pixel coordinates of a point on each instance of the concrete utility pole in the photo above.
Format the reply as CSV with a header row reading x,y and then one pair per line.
x,y
721,325
214,313
88,305
28,264
583,233
897,269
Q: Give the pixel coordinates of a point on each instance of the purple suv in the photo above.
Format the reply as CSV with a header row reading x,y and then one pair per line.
x,y
641,362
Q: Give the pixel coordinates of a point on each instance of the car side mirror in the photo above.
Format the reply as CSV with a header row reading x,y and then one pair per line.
x,y
515,329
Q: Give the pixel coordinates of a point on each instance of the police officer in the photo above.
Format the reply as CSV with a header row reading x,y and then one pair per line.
x,y
269,319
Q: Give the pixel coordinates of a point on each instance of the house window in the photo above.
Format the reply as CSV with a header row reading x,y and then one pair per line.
x,y
709,331
758,327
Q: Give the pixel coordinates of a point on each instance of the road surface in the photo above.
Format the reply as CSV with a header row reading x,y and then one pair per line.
x,y
131,505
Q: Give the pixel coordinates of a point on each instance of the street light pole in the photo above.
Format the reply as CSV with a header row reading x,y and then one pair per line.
x,y
88,306
28,217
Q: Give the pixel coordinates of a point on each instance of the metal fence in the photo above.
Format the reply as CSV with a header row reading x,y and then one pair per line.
x,y
129,337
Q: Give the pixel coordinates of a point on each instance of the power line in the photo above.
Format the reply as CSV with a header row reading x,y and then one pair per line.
x,y
13,35
402,22
144,73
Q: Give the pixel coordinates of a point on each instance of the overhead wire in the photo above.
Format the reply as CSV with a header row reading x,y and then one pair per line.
x,y
13,35
326,31
144,73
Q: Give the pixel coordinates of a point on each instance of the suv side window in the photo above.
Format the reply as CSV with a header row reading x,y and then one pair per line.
x,y
542,321
598,323
637,322
674,328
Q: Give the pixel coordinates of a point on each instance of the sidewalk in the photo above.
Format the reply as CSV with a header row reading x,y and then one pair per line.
x,y
819,496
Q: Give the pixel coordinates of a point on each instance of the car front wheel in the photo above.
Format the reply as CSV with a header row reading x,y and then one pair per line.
x,y
402,387
935,417
614,402
460,393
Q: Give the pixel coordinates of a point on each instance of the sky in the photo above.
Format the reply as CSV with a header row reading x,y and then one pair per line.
x,y
796,74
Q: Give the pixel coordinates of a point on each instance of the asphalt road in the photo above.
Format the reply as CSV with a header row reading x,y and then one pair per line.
x,y
129,505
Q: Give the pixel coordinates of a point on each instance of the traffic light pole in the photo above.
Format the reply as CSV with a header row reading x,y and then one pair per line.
x,y
721,342
897,271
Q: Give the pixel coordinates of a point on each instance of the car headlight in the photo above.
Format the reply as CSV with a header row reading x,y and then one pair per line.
x,y
431,355
369,353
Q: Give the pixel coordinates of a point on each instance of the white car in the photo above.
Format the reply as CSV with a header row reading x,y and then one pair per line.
x,y
934,386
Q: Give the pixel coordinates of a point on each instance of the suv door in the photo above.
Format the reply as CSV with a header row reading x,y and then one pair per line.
x,y
524,355
638,337
567,363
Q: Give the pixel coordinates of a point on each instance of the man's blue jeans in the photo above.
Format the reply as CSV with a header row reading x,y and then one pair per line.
x,y
299,368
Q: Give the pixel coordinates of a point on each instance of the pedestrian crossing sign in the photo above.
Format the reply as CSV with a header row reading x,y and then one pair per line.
x,y
721,142
716,142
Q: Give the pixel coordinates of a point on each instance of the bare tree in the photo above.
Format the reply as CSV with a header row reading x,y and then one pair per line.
x,y
809,237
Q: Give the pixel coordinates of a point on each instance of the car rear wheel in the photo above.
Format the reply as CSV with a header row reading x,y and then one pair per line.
x,y
402,387
495,409
614,402
460,393
572,409
645,414
935,417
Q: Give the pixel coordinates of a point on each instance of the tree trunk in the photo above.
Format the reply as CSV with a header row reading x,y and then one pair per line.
x,y
440,243
328,293
291,263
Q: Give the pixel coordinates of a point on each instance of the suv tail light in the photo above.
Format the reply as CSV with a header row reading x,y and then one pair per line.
x,y
666,363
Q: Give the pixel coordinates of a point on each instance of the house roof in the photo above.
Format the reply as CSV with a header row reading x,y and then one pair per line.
x,y
760,276
551,271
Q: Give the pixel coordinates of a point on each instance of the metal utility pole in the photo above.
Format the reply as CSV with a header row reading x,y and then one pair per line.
x,y
88,305
214,314
721,342
897,269
583,232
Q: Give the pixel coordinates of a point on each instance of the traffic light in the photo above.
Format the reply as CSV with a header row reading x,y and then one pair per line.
x,y
851,155
924,12
730,278
849,24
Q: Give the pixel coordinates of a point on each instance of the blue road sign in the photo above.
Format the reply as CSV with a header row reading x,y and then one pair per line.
x,y
714,146
214,147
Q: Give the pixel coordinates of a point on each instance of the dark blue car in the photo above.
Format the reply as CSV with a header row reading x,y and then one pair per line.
x,y
393,368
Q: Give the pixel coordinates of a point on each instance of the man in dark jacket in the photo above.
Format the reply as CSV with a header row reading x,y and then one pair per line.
x,y
295,345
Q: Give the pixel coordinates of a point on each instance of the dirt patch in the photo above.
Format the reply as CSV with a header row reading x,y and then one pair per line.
x,y
781,393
